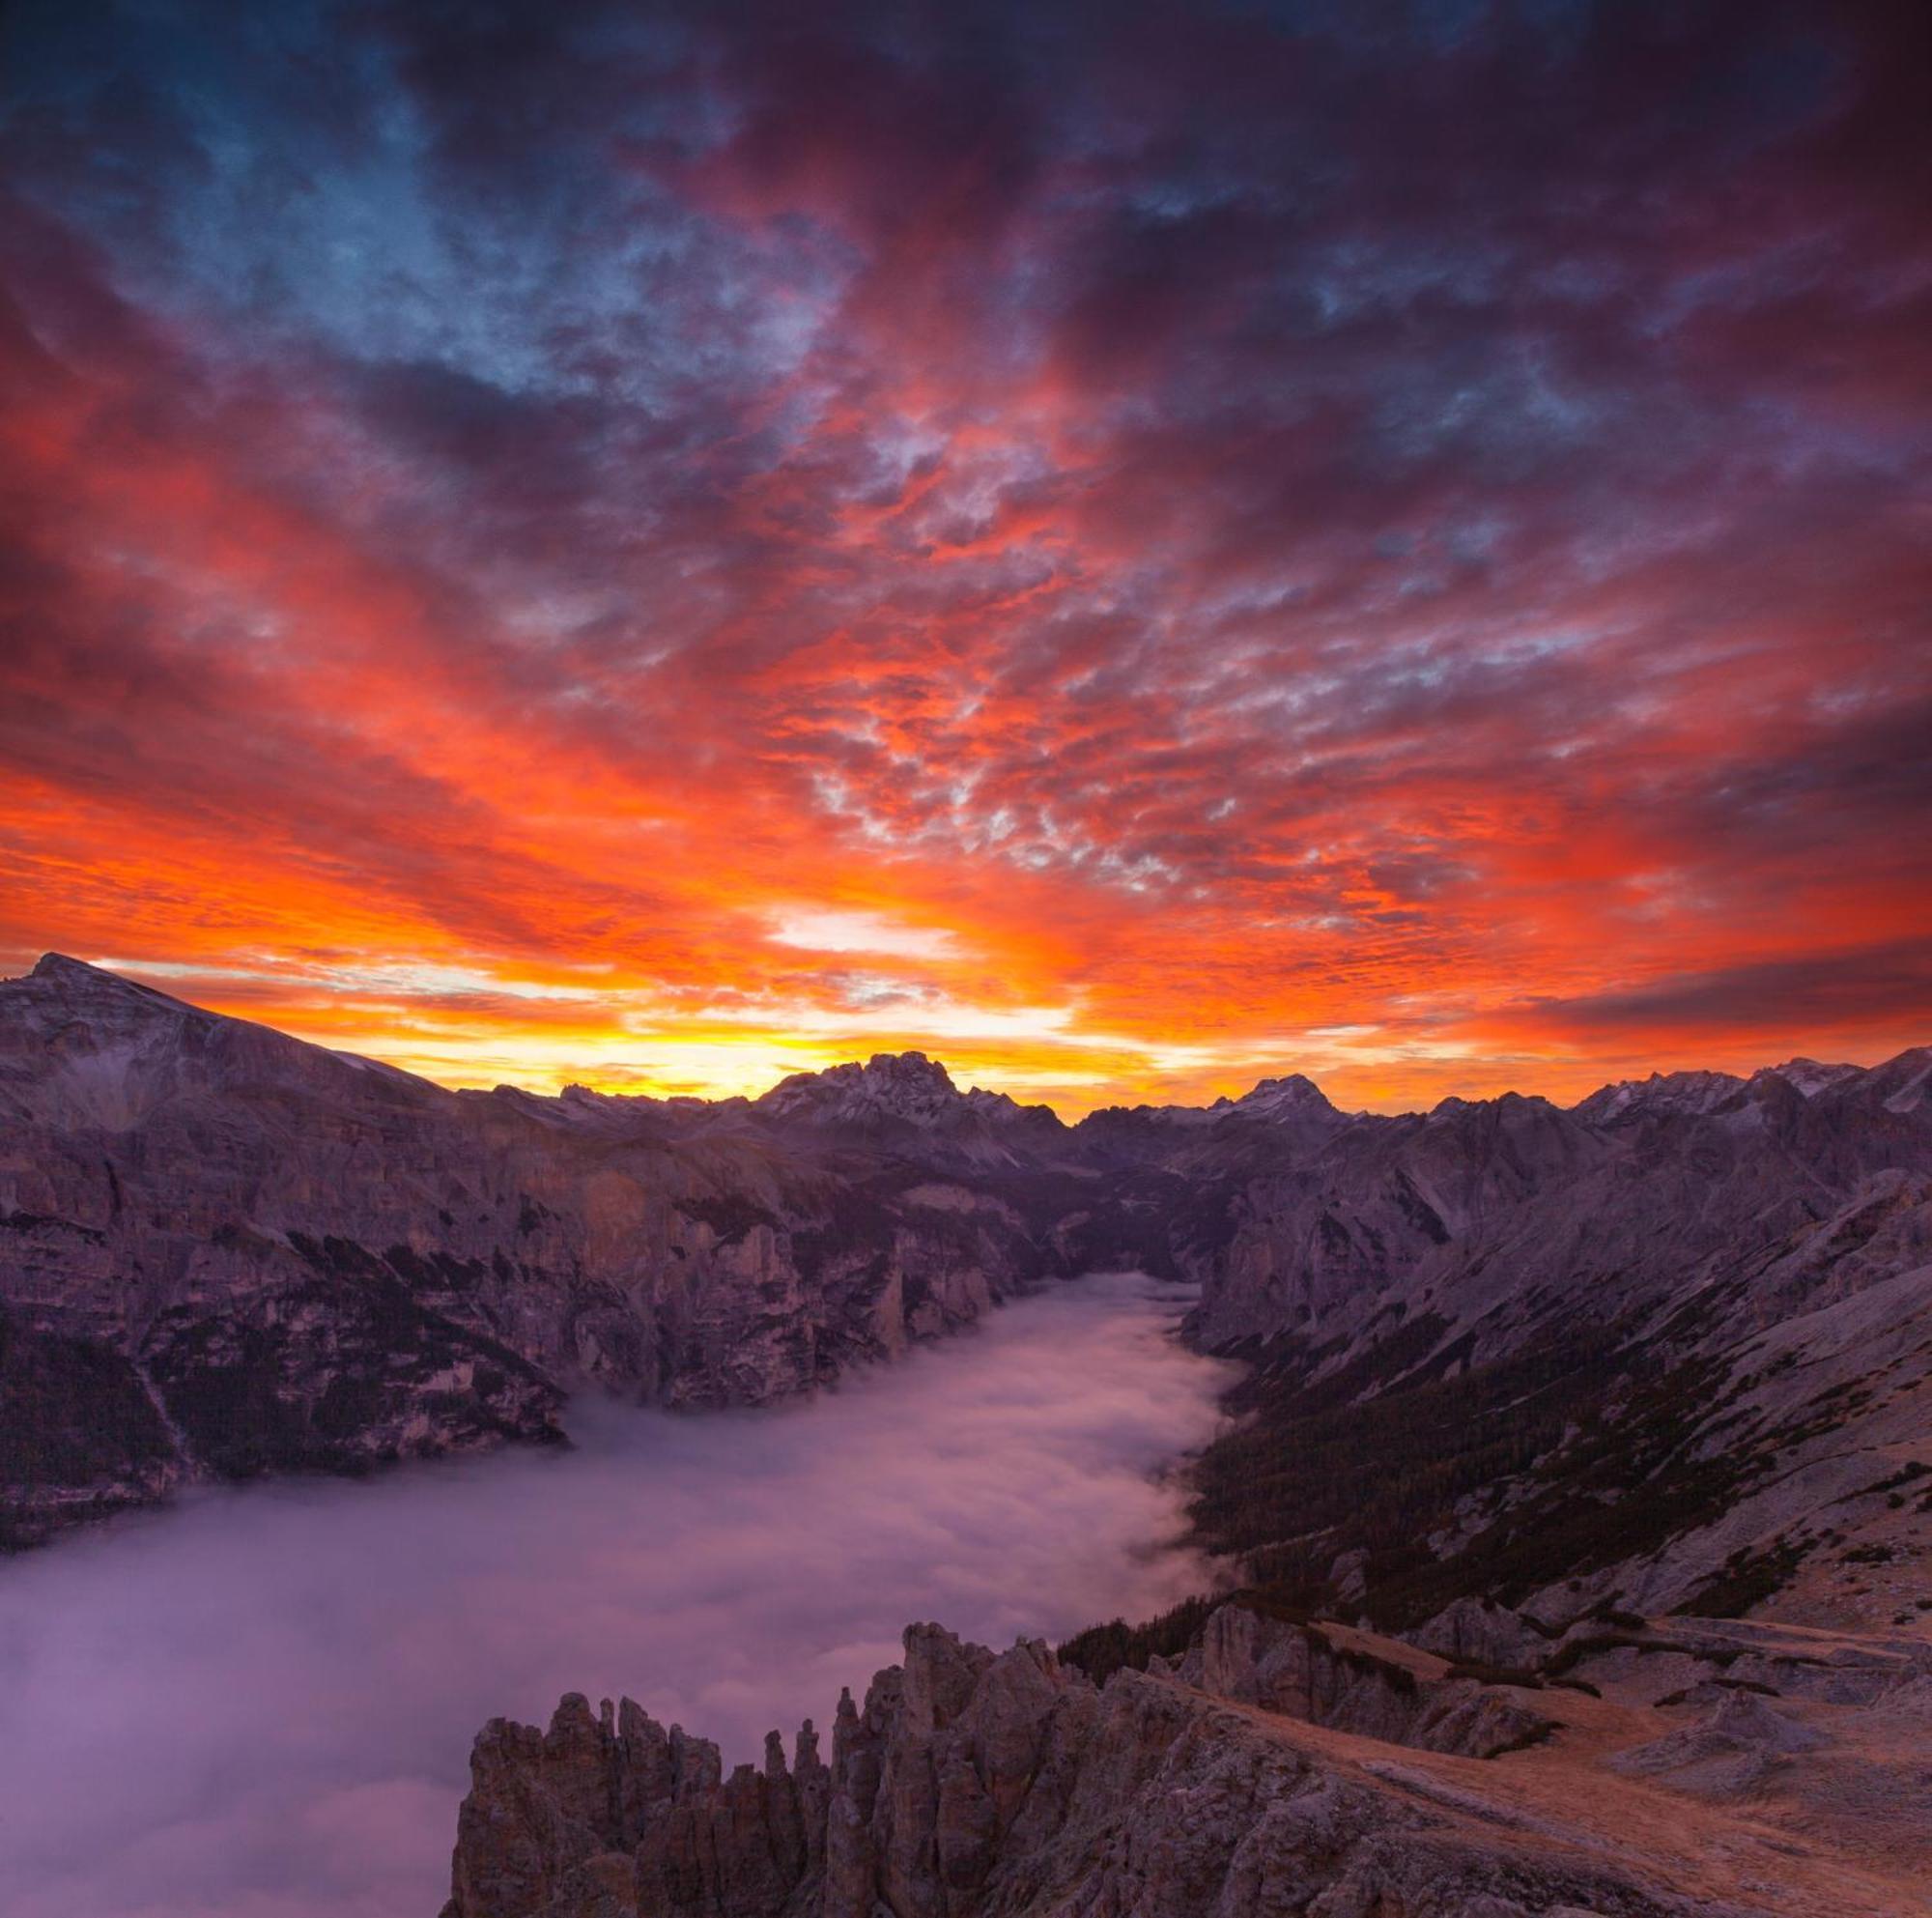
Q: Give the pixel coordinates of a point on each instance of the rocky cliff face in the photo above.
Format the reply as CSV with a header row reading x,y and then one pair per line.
x,y
222,1250
1280,1768
1673,1348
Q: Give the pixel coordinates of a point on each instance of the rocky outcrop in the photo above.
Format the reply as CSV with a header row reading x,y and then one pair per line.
x,y
615,1811
972,1783
1327,1675
1478,1631
1732,1749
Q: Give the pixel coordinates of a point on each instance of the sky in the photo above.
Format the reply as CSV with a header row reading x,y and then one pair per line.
x,y
270,1693
1131,547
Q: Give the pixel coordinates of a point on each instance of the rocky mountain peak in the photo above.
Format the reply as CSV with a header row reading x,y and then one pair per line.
x,y
80,1045
1903,1084
1660,1092
82,985
81,1010
889,1085
1295,1096
1812,1077
59,966
906,1068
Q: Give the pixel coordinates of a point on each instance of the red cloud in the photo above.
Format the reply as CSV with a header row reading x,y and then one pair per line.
x,y
1213,588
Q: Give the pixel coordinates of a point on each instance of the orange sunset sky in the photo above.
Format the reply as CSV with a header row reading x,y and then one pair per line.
x,y
1130,553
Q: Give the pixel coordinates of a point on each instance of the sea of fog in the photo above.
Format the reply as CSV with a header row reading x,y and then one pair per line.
x,y
259,1704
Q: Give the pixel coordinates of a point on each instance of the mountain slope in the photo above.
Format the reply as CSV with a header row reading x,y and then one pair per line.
x,y
223,1250
1676,1356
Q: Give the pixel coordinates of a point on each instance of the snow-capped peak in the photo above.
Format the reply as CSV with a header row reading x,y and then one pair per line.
x,y
1810,1077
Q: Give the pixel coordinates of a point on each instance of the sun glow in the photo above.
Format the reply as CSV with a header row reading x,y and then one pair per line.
x,y
1051,597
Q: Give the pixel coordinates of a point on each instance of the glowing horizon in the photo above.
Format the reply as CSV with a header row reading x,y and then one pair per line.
x,y
473,1062
1128,555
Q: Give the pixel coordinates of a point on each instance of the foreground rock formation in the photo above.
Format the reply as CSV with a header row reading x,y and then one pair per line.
x,y
1278,1767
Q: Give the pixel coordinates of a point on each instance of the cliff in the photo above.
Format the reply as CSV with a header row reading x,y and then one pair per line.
x,y
223,1251
973,1784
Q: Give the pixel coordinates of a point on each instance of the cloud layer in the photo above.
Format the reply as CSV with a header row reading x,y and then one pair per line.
x,y
261,1707
1179,539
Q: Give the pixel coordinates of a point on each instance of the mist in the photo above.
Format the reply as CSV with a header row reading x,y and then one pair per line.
x,y
259,1704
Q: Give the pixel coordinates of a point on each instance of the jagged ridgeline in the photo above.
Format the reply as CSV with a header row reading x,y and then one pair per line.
x,y
1278,1766
1658,1349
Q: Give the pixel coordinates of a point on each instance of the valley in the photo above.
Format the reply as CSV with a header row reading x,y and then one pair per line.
x,y
1487,1419
262,1699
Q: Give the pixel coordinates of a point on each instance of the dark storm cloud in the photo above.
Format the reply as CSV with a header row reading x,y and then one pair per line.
x,y
1823,992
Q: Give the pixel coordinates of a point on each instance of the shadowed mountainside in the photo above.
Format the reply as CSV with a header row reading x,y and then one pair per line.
x,y
1535,1399
1492,1346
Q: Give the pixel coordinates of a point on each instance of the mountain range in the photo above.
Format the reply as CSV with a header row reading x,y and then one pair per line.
x,y
225,1251
1540,1405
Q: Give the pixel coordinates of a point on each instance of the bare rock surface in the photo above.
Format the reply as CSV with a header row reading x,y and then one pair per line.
x,y
970,1784
1328,1675
224,1251
1478,1631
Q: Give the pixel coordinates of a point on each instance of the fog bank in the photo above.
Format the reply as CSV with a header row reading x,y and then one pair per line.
x,y
259,1704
